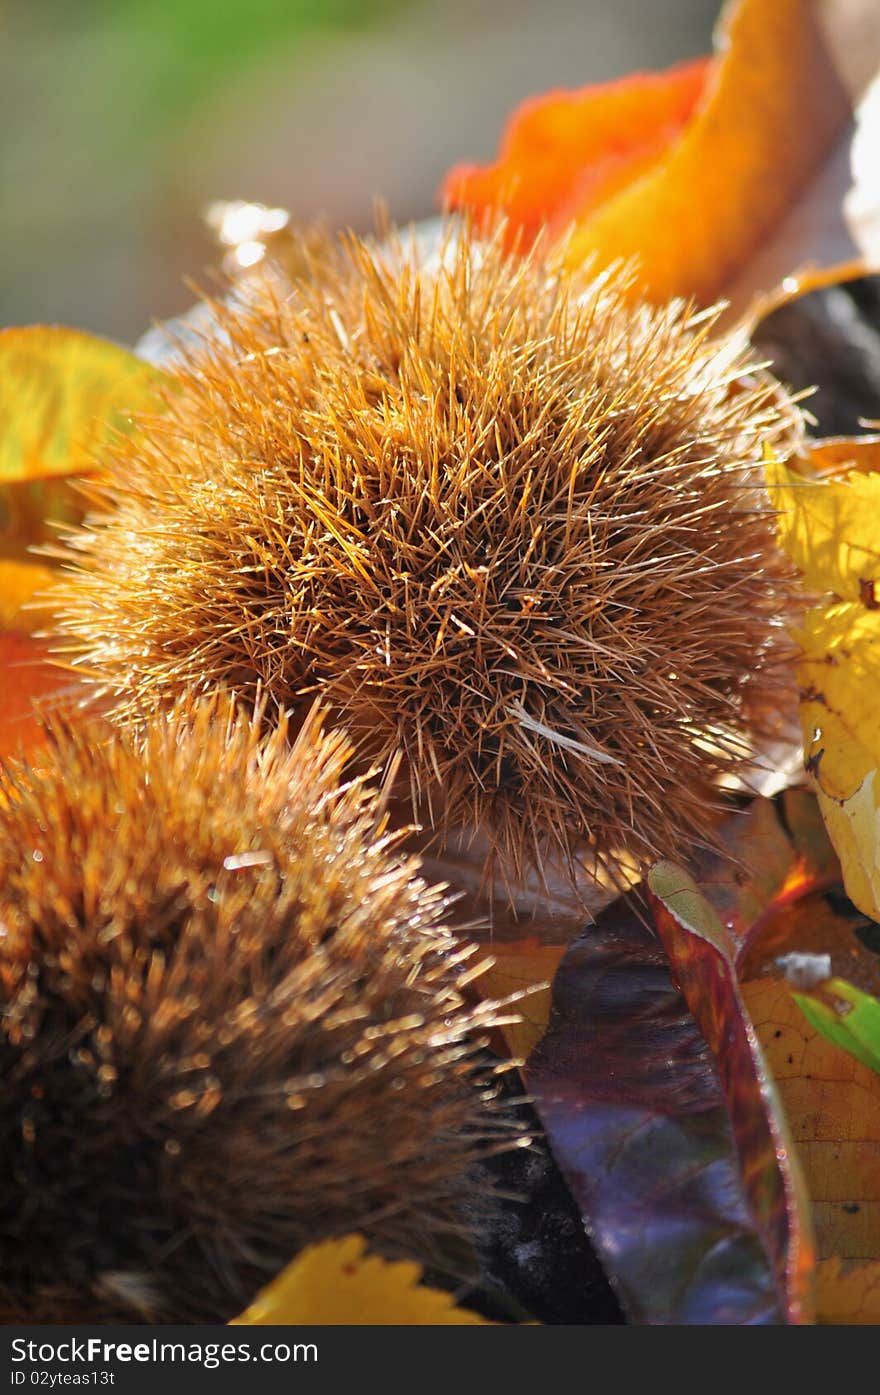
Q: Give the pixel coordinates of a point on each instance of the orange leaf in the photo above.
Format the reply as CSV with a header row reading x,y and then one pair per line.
x,y
753,186
19,582
848,1294
776,107
839,456
29,681
564,154
524,967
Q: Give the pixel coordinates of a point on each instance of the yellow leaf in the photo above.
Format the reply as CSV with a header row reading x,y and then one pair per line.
x,y
833,1107
839,677
781,99
337,1282
848,1294
830,527
838,674
854,828
61,393
525,967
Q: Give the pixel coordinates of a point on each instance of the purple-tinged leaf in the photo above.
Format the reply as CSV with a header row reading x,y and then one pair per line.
x,y
702,956
637,1116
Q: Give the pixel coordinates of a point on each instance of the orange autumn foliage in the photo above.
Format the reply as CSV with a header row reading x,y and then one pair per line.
x,y
522,972
720,178
565,153
31,681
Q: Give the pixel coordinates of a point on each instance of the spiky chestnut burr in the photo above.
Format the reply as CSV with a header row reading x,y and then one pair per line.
x,y
232,1023
504,520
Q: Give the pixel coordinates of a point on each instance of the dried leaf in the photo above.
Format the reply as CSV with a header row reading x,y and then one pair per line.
x,y
775,108
797,906
775,854
796,903
832,1103
339,1283
848,1294
617,1077
831,231
61,393
524,969
777,888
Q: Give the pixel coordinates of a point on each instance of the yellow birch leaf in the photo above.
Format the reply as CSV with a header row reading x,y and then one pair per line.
x,y
832,1103
61,393
339,1283
848,1294
839,678
780,105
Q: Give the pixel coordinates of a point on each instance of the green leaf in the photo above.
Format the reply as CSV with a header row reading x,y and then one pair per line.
x,y
852,1021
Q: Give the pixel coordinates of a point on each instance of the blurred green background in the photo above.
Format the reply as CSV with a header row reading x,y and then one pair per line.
x,y
122,119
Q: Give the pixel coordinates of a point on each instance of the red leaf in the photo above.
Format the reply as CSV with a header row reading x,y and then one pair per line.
x,y
640,1124
703,959
31,683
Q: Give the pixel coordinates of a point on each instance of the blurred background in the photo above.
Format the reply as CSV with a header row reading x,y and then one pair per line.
x,y
120,120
